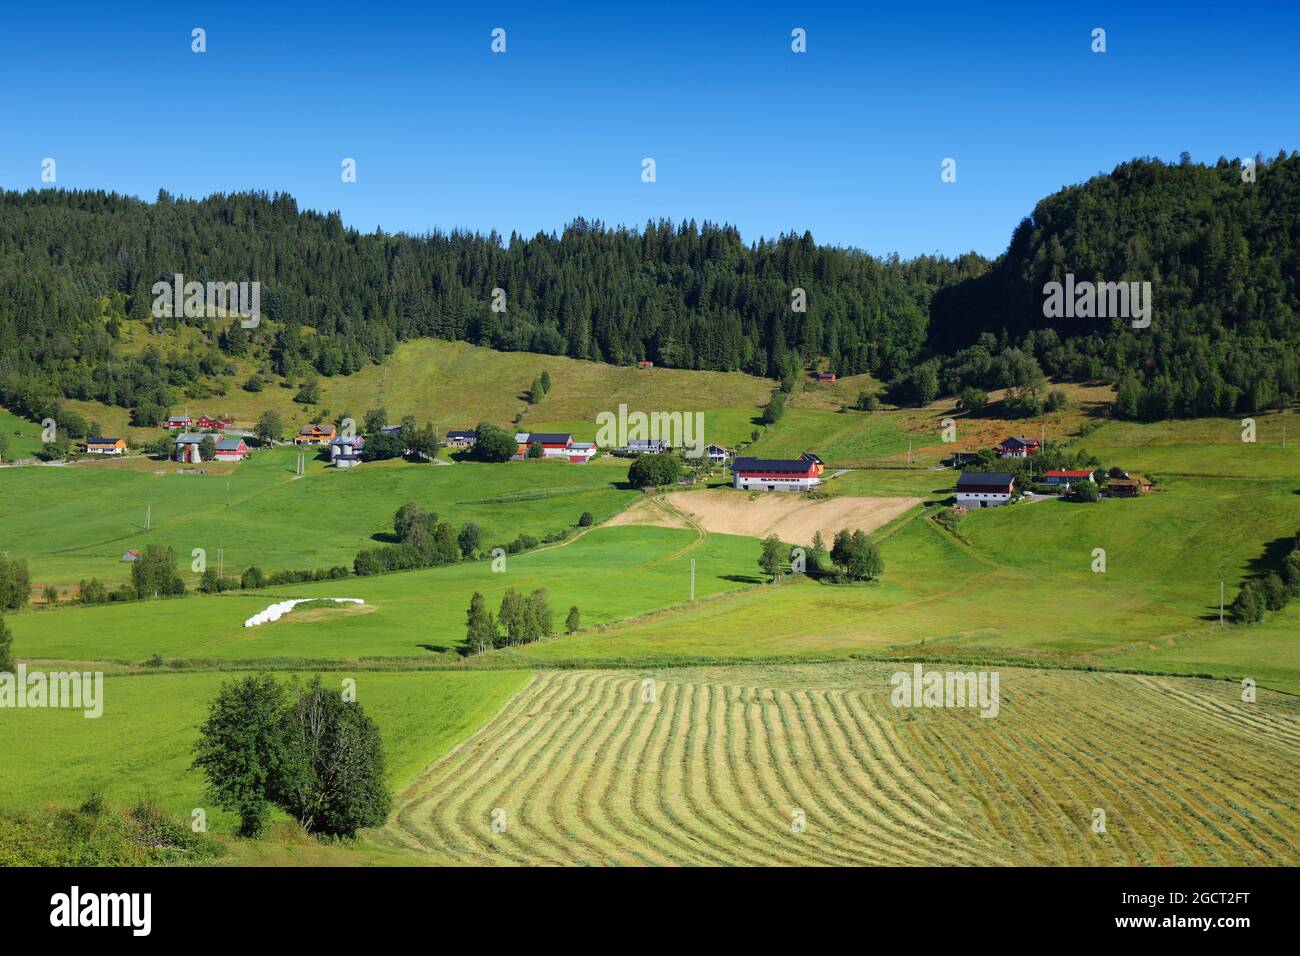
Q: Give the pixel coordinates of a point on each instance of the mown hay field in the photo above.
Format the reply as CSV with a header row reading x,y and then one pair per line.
x,y
583,769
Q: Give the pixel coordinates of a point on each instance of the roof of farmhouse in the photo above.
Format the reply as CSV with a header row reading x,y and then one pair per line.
x,y
548,438
985,478
793,465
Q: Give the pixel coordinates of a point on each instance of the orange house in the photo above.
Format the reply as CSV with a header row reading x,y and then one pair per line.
x,y
106,446
315,434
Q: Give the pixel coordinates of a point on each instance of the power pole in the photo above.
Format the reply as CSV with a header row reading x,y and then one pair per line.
x,y
909,453
148,516
1220,602
692,579
221,562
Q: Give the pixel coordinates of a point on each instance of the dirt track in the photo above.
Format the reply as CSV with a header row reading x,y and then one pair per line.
x,y
790,517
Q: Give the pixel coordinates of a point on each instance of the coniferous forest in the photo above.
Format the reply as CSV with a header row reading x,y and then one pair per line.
x,y
1222,255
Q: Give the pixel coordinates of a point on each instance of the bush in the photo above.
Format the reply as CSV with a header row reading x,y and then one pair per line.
x,y
1248,607
1274,591
585,520
1085,491
493,444
650,471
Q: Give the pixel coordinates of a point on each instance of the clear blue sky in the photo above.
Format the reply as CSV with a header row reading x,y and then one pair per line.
x,y
845,140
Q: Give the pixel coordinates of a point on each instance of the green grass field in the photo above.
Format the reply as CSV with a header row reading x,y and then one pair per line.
x,y
141,746
75,523
610,573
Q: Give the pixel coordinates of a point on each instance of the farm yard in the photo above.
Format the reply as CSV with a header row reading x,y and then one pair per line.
x,y
768,697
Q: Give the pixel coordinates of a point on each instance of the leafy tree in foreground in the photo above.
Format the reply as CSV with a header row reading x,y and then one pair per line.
x,y
331,777
241,748
573,621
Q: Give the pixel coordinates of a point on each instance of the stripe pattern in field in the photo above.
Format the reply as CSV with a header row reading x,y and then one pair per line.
x,y
582,770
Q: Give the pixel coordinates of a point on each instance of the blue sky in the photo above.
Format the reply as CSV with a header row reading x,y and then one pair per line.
x,y
845,140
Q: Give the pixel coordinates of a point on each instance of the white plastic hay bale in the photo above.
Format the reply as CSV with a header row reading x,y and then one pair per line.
x,y
281,608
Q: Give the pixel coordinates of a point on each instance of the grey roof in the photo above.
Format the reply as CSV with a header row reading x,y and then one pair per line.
x,y
190,438
229,444
549,438
985,478
462,434
102,441
792,465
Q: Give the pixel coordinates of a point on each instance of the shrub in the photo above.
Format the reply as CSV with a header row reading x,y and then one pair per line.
x,y
585,520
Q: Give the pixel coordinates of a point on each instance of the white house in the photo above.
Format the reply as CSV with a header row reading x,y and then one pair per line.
x,y
985,489
777,474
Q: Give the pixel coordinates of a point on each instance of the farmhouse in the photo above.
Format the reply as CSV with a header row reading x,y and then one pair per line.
x,y
345,451
461,439
777,474
187,447
1066,478
984,489
106,446
645,446
178,421
131,554
826,376
1018,446
645,364
206,424
231,449
554,445
718,453
959,458
315,434
1129,486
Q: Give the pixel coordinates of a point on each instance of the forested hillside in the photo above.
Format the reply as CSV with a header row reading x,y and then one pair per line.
x,y
1222,256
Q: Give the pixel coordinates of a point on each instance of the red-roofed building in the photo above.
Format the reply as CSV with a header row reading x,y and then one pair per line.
x,y
1066,478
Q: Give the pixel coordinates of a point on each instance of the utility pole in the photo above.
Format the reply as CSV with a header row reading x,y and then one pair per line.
x,y
692,579
221,562
148,515
1220,602
909,453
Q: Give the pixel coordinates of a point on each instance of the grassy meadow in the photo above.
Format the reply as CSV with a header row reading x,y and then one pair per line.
x,y
142,744
769,693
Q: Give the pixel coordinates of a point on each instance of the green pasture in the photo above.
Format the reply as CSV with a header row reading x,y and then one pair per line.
x,y
609,573
141,745
75,523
